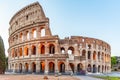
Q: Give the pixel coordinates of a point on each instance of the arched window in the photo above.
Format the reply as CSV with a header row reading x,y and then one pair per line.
x,y
51,49
13,53
51,67
42,49
94,55
26,51
33,67
21,37
63,50
27,35
34,33
42,32
70,50
89,54
98,55
34,50
83,52
16,53
20,52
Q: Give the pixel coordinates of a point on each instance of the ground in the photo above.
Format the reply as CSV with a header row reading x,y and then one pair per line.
x,y
35,77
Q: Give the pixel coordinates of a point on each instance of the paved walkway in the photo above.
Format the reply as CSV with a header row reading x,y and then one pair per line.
x,y
87,78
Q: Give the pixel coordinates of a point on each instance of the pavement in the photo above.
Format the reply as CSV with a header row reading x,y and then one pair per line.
x,y
87,78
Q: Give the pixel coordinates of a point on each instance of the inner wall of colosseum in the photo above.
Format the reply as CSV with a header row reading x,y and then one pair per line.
x,y
33,48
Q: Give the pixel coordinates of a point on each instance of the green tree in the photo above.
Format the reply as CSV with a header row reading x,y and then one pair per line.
x,y
2,57
113,61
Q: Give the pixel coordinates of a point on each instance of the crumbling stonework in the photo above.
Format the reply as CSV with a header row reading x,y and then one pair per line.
x,y
33,48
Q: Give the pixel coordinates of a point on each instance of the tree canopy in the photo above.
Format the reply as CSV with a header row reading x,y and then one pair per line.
x,y
113,61
2,57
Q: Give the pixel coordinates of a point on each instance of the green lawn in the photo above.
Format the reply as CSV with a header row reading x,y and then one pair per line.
x,y
108,78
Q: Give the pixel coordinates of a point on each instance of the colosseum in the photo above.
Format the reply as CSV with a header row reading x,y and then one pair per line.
x,y
33,48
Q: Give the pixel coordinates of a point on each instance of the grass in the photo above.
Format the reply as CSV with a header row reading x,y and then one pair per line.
x,y
108,78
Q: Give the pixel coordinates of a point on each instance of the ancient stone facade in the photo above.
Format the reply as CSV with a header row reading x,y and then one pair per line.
x,y
33,48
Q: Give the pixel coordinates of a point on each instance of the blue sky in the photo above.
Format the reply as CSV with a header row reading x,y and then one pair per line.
x,y
92,18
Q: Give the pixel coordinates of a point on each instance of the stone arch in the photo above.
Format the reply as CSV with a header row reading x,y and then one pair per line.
x,y
42,31
51,67
94,55
72,67
34,33
20,52
42,49
20,67
89,46
15,52
42,66
61,67
98,55
21,36
26,67
33,50
102,68
33,67
89,69
83,52
27,35
51,49
62,50
79,67
98,68
89,54
26,51
71,50
94,68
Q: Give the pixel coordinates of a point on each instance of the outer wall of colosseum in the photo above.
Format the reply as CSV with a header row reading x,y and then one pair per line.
x,y
33,48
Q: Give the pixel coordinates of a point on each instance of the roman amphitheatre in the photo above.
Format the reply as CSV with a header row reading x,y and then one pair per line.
x,y
34,49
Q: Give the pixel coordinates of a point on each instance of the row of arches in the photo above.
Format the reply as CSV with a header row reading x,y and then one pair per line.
x,y
61,67
26,50
27,35
33,67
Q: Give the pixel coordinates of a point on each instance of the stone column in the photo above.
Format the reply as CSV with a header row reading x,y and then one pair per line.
x,y
37,49
30,67
67,66
37,33
37,67
56,66
46,66
29,51
46,48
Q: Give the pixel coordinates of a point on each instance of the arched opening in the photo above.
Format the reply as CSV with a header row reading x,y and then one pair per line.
x,y
27,35
21,37
61,67
89,54
63,50
42,67
70,50
42,32
72,67
89,46
94,55
20,52
98,55
99,68
25,51
13,53
33,67
94,68
42,49
102,68
34,33
26,67
83,53
16,67
20,67
16,53
51,49
33,50
51,67
102,56
79,67
89,68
